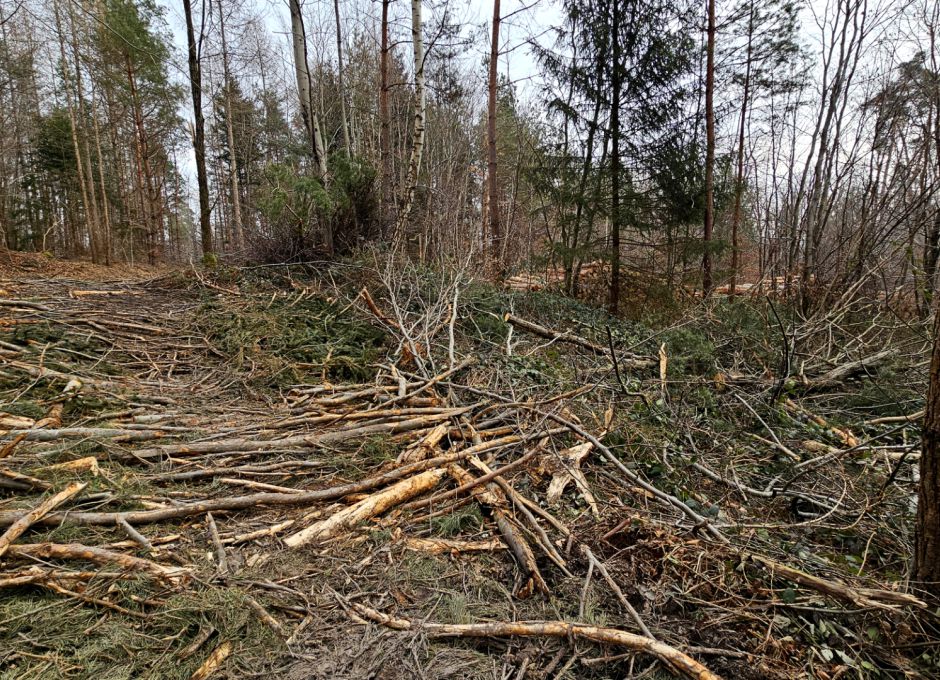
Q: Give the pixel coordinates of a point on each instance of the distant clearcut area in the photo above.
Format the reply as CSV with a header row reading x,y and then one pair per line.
x,y
379,470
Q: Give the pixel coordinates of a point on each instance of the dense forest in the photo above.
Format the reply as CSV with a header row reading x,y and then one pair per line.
x,y
530,339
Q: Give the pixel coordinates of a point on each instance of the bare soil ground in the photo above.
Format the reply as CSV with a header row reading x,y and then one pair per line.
x,y
272,477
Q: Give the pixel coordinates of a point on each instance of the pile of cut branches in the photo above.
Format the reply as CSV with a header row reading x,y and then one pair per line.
x,y
138,469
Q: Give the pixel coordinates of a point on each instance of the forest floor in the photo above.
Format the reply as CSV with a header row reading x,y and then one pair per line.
x,y
373,471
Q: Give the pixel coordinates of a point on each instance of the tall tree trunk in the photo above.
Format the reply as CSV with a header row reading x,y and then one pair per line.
x,y
736,216
385,123
417,143
94,223
496,228
302,72
80,154
149,191
199,129
927,544
615,212
709,151
105,209
347,138
238,238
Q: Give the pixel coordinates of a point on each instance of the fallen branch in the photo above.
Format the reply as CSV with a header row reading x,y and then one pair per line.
x,y
25,521
630,361
307,441
669,655
87,553
861,597
440,546
847,371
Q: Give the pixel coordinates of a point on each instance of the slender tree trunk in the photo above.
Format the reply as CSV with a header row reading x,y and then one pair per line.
x,y
199,129
385,123
496,228
94,223
417,144
615,212
709,152
105,209
347,138
238,237
736,217
153,214
80,156
302,72
927,544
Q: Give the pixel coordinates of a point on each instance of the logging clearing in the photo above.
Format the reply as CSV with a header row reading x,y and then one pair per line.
x,y
331,473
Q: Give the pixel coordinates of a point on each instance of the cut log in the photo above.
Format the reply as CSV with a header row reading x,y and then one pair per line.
x,y
369,507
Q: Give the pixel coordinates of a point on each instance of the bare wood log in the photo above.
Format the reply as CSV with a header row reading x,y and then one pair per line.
x,y
367,508
260,486
423,448
470,483
86,464
8,421
266,617
52,435
519,500
885,420
37,575
669,655
631,361
10,446
87,553
24,522
24,481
